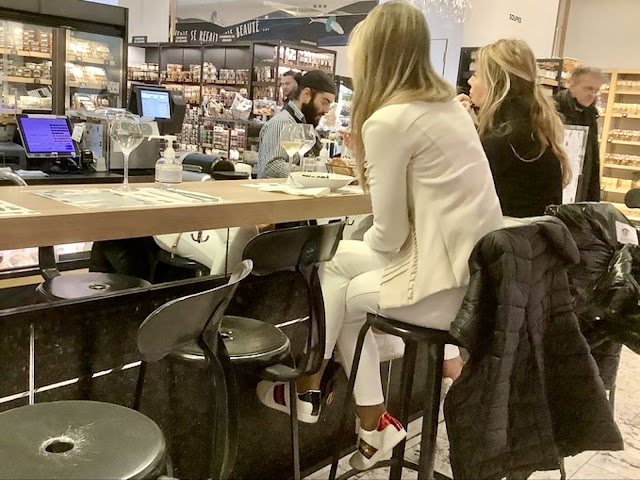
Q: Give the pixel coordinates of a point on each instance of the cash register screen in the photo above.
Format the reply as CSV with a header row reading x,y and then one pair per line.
x,y
46,136
155,104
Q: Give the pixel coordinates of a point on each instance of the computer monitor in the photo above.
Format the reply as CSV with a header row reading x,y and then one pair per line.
x,y
155,104
165,106
46,136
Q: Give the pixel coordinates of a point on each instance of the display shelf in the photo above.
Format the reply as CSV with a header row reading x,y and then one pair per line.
x,y
547,82
222,84
624,115
91,61
225,120
627,92
88,86
625,142
622,167
631,214
24,53
176,82
27,80
265,84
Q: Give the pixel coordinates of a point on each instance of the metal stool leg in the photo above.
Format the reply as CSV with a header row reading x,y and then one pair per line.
x,y
435,358
139,385
295,442
352,381
406,386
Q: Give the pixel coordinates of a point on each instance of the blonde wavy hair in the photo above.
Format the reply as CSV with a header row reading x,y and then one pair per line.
x,y
508,69
390,61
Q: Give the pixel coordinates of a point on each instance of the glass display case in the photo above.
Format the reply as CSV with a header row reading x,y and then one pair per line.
x,y
94,70
25,67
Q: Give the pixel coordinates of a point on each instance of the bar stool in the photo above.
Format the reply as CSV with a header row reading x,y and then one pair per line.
x,y
413,335
79,440
168,329
261,348
55,286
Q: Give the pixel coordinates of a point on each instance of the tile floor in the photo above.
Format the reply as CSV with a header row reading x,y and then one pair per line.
x,y
587,465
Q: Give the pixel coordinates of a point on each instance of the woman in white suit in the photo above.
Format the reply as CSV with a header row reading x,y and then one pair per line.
x,y
433,198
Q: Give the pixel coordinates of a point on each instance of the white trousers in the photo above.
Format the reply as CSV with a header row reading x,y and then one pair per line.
x,y
351,289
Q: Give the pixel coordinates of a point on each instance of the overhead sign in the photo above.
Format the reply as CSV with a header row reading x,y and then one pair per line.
x,y
327,29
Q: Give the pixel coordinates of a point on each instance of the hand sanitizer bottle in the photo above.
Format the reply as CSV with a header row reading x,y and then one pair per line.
x,y
168,168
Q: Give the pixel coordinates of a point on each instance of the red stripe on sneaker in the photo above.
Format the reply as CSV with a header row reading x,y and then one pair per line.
x,y
278,394
387,419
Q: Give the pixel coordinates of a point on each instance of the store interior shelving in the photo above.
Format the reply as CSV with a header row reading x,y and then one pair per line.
x,y
552,72
620,144
210,75
25,67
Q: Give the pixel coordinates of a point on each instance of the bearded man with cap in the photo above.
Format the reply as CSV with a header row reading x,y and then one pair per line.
x,y
311,101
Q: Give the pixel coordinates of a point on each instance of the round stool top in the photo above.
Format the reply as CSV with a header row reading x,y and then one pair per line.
x,y
247,341
78,440
92,284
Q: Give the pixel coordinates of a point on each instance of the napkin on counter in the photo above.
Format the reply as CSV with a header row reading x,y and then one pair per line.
x,y
290,190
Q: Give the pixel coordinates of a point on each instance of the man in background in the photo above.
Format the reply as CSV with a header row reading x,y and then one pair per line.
x,y
309,103
289,84
577,106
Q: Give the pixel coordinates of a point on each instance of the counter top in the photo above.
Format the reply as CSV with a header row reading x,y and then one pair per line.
x,y
59,223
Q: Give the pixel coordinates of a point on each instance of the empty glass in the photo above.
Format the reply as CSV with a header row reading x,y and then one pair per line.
x,y
126,133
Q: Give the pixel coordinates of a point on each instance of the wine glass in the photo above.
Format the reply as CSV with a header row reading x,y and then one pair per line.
x,y
310,138
292,140
125,132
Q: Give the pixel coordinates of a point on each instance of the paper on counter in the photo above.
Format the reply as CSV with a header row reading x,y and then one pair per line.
x,y
11,210
91,198
307,192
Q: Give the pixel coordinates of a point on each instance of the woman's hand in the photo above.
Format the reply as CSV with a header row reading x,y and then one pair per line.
x,y
466,101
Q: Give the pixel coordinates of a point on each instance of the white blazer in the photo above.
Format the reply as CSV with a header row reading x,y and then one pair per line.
x,y
433,197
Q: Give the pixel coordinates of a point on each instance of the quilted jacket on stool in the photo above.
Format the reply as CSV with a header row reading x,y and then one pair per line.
x,y
531,392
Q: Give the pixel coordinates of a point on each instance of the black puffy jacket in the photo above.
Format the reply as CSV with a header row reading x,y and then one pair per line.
x,y
530,393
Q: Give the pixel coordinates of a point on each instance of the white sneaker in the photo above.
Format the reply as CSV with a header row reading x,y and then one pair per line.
x,y
377,445
390,347
276,395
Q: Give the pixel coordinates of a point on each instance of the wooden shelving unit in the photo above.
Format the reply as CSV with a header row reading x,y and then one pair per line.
x,y
629,175
25,53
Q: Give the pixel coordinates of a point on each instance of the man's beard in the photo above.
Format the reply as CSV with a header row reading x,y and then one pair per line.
x,y
311,113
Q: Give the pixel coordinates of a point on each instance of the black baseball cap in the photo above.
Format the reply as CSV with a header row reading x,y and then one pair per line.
x,y
319,81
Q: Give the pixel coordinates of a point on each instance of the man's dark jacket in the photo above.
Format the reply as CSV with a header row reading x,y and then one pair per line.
x,y
576,114
531,392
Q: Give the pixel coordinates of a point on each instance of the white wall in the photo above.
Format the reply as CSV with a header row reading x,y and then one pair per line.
x,y
604,33
490,21
148,17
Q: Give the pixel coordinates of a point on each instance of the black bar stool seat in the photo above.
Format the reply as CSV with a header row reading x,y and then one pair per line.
x,y
79,440
92,284
413,335
248,342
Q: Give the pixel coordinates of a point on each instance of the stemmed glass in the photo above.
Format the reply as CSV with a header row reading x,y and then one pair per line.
x,y
292,139
126,133
308,164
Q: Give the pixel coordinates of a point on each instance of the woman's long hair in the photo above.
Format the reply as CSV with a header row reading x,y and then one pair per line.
x,y
390,60
507,69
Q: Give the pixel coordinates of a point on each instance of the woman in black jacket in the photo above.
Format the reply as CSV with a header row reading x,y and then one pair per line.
x,y
521,132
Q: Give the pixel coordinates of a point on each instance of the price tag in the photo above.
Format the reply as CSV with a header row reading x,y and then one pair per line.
x,y
83,85
108,63
78,131
78,58
626,234
14,51
114,87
